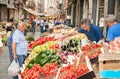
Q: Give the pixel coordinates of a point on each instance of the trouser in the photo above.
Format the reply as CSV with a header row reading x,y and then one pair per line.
x,y
41,29
10,53
33,29
21,59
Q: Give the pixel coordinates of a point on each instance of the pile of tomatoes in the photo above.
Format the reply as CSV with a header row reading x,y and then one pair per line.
x,y
40,41
36,72
92,50
73,72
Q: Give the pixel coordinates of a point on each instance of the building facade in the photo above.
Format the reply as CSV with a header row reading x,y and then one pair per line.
x,y
10,8
92,9
3,10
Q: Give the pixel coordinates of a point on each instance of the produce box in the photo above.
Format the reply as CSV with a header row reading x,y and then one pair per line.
x,y
90,74
109,65
94,60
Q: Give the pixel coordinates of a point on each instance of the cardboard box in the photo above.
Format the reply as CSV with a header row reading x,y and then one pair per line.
x,y
109,65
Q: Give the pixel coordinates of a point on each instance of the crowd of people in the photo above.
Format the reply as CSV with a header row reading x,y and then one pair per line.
x,y
43,25
18,45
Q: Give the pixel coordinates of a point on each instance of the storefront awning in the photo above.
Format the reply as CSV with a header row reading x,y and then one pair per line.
x,y
33,12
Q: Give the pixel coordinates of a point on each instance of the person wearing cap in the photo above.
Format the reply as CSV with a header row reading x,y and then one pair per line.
x,y
93,32
113,27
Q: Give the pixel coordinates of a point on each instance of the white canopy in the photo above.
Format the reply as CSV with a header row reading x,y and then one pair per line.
x,y
33,11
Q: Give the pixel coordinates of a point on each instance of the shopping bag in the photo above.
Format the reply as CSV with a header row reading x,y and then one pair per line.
x,y
14,68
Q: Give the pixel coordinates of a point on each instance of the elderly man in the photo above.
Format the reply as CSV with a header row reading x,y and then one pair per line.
x,y
20,44
113,27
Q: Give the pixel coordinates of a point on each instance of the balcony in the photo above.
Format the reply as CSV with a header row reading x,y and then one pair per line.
x,y
4,2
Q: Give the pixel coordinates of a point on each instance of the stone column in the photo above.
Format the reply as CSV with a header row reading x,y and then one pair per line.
x,y
90,10
105,13
85,9
72,13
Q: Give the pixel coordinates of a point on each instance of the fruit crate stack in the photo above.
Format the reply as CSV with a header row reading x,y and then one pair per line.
x,y
109,65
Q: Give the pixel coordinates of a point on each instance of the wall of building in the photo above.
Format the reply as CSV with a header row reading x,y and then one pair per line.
x,y
118,10
3,12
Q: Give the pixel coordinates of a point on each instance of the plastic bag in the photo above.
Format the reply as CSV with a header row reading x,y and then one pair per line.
x,y
14,68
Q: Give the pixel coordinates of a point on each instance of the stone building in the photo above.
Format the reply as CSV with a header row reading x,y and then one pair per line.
x,y
3,10
10,8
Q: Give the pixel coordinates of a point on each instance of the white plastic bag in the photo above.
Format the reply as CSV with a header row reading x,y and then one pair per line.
x,y
14,68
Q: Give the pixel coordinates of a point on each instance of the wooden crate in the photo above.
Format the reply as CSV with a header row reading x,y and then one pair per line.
x,y
109,65
90,74
94,60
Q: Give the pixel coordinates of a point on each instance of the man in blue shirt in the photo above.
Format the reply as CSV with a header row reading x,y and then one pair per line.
x,y
93,32
113,27
20,44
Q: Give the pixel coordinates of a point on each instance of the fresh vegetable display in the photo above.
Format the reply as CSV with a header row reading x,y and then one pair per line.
x,y
91,50
72,45
49,71
49,54
30,38
113,46
40,41
73,72
44,56
64,56
51,45
4,39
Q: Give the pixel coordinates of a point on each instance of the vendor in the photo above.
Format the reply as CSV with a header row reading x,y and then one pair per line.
x,y
93,32
113,27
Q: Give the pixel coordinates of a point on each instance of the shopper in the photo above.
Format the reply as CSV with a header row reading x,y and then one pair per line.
x,y
9,44
51,27
33,26
19,44
41,25
113,27
93,32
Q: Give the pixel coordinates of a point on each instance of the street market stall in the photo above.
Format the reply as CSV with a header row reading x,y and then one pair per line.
x,y
62,55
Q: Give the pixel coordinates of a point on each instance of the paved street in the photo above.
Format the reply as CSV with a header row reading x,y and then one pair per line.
x,y
4,63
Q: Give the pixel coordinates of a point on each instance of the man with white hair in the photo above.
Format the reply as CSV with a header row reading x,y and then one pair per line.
x,y
113,27
19,44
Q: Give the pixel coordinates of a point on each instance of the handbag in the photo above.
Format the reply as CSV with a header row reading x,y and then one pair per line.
x,y
14,68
